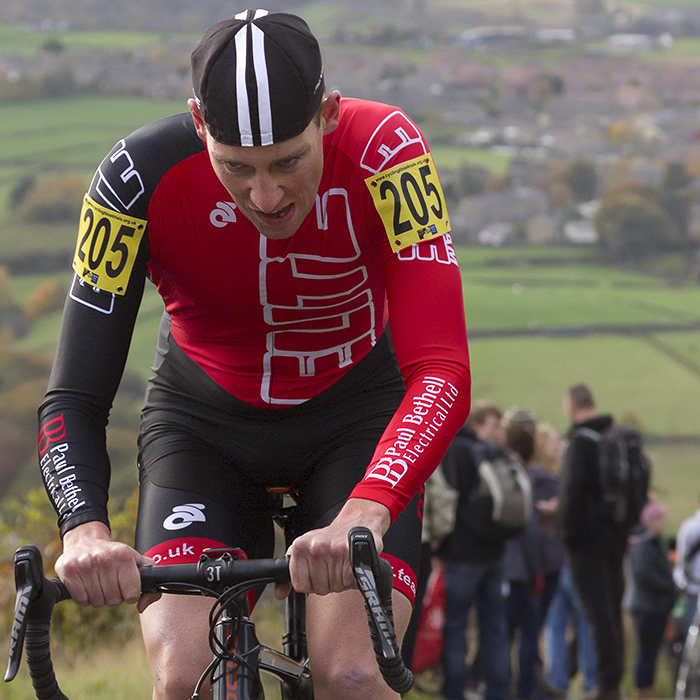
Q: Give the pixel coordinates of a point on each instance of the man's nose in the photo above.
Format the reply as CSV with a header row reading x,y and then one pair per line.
x,y
266,194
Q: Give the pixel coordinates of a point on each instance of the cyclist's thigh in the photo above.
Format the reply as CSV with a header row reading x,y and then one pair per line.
x,y
176,636
180,515
174,525
340,648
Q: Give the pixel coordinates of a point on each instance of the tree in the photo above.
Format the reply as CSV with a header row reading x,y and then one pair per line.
x,y
677,197
52,198
582,179
632,222
542,87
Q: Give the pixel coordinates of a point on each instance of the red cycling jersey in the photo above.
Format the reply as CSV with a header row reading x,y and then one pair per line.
x,y
276,322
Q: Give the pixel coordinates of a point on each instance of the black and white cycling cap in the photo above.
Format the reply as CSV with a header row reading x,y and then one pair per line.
x,y
258,78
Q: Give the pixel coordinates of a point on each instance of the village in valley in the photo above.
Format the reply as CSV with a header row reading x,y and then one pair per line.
x,y
508,105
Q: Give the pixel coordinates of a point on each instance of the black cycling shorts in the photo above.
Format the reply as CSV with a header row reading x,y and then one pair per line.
x,y
207,461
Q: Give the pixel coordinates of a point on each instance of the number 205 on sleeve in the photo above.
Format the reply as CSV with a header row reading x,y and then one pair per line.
x,y
108,243
410,202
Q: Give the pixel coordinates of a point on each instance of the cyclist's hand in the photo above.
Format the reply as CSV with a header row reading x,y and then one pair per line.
x,y
98,571
320,559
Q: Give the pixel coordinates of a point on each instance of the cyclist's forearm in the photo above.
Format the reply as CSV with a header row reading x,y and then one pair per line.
x,y
435,406
73,460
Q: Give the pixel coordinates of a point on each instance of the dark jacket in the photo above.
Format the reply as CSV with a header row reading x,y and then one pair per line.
x,y
473,539
523,558
545,486
653,588
581,504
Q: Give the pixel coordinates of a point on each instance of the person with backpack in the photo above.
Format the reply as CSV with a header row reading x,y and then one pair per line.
x,y
601,499
473,555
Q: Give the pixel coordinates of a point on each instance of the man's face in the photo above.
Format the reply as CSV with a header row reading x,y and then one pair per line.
x,y
491,430
273,186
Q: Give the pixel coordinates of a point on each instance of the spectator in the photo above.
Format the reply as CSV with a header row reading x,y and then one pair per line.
x,y
549,546
549,447
566,607
523,571
544,473
596,546
473,555
520,416
653,596
686,571
545,492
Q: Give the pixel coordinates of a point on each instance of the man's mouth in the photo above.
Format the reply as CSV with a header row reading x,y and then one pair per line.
x,y
279,214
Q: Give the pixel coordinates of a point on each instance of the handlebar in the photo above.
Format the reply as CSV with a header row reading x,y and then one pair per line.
x,y
37,595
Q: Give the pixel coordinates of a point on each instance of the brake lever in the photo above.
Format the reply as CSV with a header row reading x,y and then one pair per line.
x,y
374,585
29,583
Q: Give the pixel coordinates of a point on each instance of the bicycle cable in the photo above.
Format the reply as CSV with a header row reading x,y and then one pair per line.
x,y
222,651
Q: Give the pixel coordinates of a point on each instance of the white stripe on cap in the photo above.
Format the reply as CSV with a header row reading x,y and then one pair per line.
x,y
256,14
264,105
260,69
242,102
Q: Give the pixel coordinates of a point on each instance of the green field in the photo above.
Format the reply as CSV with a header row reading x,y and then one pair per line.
x,y
656,375
28,41
72,131
456,158
536,297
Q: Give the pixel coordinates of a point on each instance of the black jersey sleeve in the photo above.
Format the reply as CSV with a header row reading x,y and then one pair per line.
x,y
97,327
93,345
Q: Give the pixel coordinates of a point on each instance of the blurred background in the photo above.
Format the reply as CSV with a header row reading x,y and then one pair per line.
x,y
567,137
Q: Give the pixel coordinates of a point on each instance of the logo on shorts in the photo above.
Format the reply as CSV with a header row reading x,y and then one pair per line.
x,y
185,515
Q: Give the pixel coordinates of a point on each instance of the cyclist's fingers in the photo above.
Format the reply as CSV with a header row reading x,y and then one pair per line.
x,y
282,590
299,571
81,580
115,585
146,599
321,578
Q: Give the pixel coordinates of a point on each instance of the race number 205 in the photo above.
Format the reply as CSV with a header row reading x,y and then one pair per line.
x,y
409,199
107,246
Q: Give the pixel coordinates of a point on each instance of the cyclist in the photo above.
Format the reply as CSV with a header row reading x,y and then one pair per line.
x,y
283,227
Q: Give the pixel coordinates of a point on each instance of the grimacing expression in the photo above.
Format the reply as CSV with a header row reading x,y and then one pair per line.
x,y
274,186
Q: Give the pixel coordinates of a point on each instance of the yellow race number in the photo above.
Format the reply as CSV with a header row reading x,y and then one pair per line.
x,y
410,202
107,246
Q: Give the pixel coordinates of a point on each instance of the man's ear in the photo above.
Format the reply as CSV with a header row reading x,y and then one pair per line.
x,y
199,124
331,112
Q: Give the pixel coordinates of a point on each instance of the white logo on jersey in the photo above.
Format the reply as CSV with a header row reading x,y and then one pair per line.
x,y
185,515
440,250
120,196
395,133
225,213
303,311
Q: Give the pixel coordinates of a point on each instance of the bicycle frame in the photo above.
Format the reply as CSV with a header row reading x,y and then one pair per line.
x,y
290,668
236,682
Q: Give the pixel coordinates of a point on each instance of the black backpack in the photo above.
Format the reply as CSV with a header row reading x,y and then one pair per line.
x,y
500,504
625,472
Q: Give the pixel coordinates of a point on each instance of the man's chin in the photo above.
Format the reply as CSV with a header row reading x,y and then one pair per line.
x,y
277,234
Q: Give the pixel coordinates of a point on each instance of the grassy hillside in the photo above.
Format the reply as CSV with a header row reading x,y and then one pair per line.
x,y
54,135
